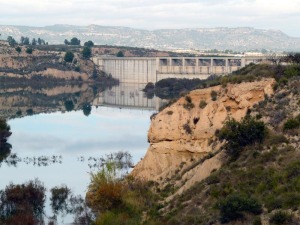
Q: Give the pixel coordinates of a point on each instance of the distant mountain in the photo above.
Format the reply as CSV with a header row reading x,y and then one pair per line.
x,y
238,39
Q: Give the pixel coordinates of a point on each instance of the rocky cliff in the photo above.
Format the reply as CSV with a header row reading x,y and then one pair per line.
x,y
184,132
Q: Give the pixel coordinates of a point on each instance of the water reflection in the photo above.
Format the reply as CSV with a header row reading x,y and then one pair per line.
x,y
26,100
60,133
5,151
20,101
127,95
14,160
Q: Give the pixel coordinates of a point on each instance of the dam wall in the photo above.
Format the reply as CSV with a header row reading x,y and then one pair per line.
x,y
152,69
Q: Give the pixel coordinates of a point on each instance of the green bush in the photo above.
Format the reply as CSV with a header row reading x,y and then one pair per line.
x,y
281,217
120,54
18,49
257,221
188,99
86,52
202,104
29,50
187,128
89,44
241,134
291,71
69,56
213,95
189,104
275,139
234,205
291,124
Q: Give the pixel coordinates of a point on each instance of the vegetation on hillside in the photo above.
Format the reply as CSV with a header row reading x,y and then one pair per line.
x,y
259,180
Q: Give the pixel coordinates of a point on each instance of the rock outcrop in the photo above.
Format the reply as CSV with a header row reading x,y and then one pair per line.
x,y
184,132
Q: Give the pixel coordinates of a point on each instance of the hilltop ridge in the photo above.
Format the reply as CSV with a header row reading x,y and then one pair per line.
x,y
221,38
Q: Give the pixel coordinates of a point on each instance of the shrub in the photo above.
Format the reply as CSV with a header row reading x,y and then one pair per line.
x,y
77,69
116,199
291,124
18,49
120,54
58,198
189,104
105,190
213,95
281,217
170,112
293,170
233,206
257,221
188,99
25,201
86,52
278,117
89,44
69,56
187,128
275,139
202,104
291,71
29,50
241,134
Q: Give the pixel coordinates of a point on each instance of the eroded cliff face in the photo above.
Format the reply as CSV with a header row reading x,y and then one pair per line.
x,y
185,132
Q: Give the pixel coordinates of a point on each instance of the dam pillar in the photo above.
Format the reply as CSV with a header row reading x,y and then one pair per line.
x,y
243,62
211,66
226,65
197,66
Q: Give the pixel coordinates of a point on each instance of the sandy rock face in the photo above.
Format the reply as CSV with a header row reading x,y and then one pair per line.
x,y
185,131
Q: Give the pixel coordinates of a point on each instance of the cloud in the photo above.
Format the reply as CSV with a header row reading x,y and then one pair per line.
x,y
156,14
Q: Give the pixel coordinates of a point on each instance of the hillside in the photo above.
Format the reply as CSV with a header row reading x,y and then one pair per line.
x,y
254,183
47,64
237,39
227,154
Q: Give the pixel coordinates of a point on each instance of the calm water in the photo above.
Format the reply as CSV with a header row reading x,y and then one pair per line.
x,y
118,121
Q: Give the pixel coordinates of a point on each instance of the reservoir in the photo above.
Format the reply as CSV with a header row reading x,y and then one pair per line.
x,y
59,133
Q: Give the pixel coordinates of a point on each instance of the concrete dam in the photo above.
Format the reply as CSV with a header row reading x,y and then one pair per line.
x,y
152,69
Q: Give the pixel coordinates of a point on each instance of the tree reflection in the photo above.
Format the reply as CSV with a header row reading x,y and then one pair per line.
x,y
87,108
5,148
5,151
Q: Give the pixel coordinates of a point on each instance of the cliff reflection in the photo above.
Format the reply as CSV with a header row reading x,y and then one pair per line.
x,y
24,100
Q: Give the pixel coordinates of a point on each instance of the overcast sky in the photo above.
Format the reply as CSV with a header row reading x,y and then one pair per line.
x,y
156,14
